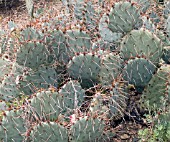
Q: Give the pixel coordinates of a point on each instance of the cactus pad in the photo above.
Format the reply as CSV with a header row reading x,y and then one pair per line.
x,y
106,33
46,105
142,43
8,88
86,129
43,77
12,127
138,72
32,55
157,88
123,17
86,68
5,69
49,131
110,69
73,94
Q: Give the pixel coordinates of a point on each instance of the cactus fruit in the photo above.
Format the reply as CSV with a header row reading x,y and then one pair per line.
x,y
86,129
12,127
123,17
49,131
111,68
159,82
141,43
138,72
86,68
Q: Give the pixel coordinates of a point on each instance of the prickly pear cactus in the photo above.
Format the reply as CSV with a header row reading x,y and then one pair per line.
x,y
30,33
8,88
167,25
78,41
56,43
106,33
111,68
31,81
73,94
49,131
85,11
85,68
159,82
3,106
112,104
142,43
148,24
85,130
138,72
123,17
66,78
13,126
5,69
166,10
32,55
46,105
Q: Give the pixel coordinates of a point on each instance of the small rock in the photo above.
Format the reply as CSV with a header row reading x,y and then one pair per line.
x,y
124,137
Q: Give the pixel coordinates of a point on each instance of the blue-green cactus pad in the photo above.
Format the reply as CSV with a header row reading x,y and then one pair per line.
x,y
138,72
142,43
86,68
123,17
86,129
13,126
49,131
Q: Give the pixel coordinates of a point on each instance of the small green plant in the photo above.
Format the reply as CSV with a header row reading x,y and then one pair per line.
x,y
159,133
159,130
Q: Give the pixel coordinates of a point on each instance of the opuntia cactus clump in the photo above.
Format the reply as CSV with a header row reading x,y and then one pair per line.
x,y
75,75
